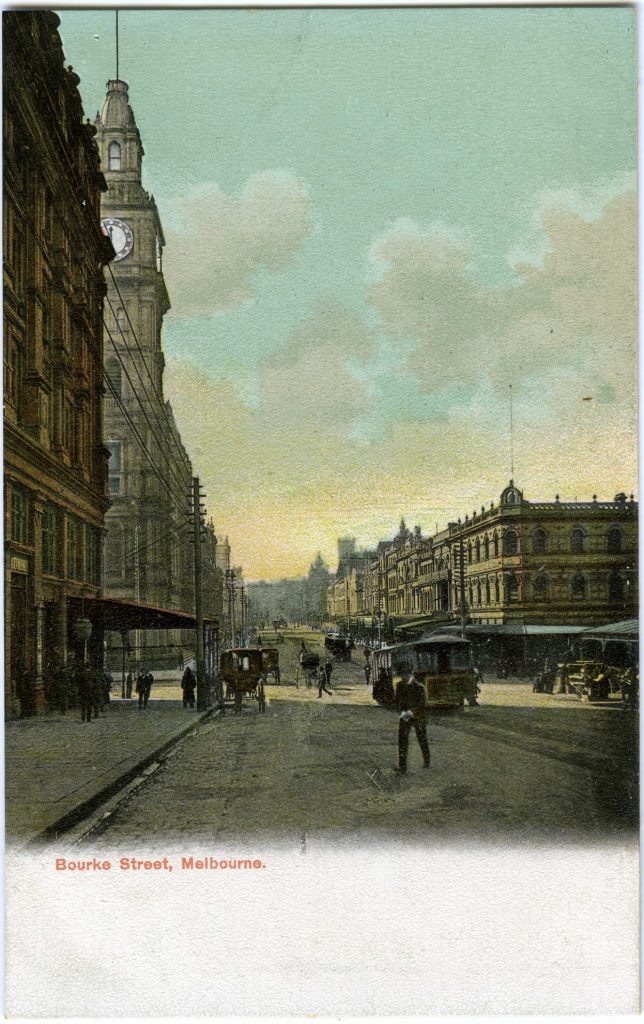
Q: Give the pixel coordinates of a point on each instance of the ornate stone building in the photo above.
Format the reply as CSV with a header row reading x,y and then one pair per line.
x,y
149,555
54,253
568,563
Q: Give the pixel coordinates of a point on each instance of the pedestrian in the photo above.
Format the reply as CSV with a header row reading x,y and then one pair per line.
x,y
323,682
477,679
97,690
129,683
22,682
107,682
84,690
143,687
61,686
367,673
411,703
328,669
188,684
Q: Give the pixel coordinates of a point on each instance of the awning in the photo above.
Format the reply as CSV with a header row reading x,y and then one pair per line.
x,y
514,629
629,629
113,613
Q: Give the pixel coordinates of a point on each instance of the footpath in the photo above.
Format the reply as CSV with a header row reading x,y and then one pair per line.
x,y
58,769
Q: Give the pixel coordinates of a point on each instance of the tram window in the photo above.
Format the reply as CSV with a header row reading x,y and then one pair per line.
x,y
425,660
460,659
245,664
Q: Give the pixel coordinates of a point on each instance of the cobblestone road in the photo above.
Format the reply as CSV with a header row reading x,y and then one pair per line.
x,y
523,764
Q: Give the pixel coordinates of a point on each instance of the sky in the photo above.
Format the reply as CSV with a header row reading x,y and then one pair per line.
x,y
377,222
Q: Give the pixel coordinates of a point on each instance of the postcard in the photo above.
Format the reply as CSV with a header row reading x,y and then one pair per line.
x,y
321,512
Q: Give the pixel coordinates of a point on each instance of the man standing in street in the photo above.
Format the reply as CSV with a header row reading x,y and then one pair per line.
x,y
328,669
410,702
322,683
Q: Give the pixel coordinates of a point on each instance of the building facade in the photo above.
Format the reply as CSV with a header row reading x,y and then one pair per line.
x,y
55,462
517,561
149,553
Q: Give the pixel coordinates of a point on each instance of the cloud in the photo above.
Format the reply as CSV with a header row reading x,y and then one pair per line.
x,y
574,309
222,242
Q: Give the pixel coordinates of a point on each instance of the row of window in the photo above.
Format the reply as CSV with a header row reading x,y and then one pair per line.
x,y
481,593
82,541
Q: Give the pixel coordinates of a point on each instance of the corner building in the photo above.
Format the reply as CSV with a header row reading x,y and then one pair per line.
x,y
54,460
149,558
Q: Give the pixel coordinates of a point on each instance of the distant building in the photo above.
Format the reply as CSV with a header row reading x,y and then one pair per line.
x,y
54,254
568,563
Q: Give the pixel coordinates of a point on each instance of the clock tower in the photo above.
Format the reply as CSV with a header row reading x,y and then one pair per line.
x,y
148,557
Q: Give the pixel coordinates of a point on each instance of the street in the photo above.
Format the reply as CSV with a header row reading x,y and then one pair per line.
x,y
523,765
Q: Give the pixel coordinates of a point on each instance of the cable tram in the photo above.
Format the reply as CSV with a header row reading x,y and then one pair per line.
x,y
442,664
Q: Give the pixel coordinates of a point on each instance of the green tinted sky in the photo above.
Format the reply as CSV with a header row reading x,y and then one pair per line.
x,y
464,118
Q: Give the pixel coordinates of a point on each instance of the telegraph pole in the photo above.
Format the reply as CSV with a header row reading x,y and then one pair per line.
x,y
202,684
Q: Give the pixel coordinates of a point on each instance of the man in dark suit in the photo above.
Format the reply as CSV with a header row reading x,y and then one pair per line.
x,y
410,702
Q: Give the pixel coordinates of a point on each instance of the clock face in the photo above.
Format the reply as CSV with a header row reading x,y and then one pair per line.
x,y
120,235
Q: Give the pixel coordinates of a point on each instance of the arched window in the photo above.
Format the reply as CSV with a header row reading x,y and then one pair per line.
x,y
113,369
478,593
486,547
614,541
510,542
487,592
578,587
496,544
616,588
539,541
511,588
540,587
469,552
497,590
121,319
470,594
577,541
115,156
478,550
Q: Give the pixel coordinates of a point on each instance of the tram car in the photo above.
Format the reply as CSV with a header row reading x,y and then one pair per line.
x,y
339,646
442,664
242,671
271,663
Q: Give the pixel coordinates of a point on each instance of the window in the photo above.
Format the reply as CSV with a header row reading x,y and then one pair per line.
x,y
68,427
478,593
488,596
539,541
510,542
114,156
49,540
577,541
616,588
486,547
511,589
114,552
121,320
92,540
540,587
115,469
496,544
614,541
13,371
578,587
113,369
497,591
73,548
469,552
478,550
20,509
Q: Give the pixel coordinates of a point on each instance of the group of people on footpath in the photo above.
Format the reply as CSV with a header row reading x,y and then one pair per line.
x,y
78,684
142,687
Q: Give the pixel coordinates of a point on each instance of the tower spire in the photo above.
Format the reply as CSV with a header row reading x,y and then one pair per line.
x,y
511,438
117,44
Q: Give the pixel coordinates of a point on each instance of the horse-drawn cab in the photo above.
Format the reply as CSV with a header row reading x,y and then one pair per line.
x,y
271,663
242,671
